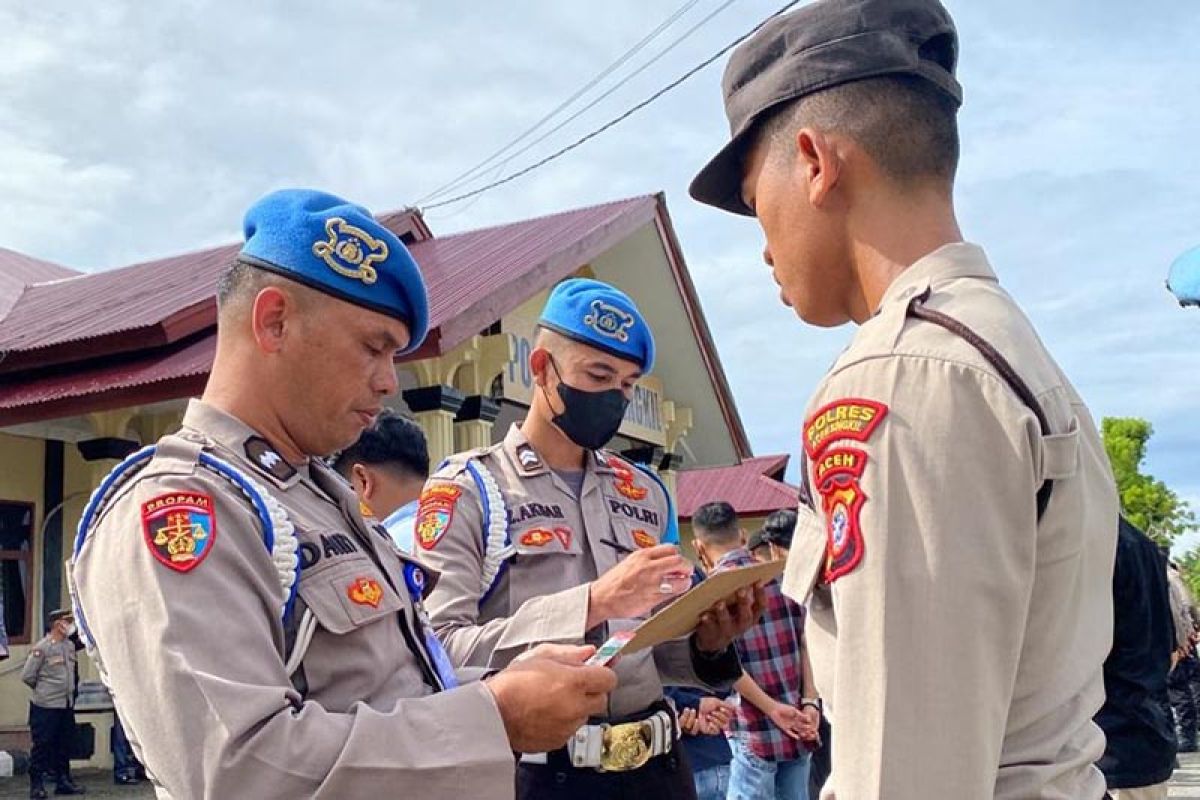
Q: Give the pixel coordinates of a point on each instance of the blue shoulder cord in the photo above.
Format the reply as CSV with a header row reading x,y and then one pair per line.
x,y
671,535
139,459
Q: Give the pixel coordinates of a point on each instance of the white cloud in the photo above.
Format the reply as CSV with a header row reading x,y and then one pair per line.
x,y
133,130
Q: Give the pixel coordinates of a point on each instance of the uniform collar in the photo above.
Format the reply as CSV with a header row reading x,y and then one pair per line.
x,y
950,261
239,438
527,461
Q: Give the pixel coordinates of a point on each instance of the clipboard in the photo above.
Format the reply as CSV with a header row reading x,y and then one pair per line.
x,y
683,614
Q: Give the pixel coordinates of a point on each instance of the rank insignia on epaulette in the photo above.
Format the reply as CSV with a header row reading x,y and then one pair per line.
x,y
435,512
259,451
528,458
365,592
848,418
838,478
179,528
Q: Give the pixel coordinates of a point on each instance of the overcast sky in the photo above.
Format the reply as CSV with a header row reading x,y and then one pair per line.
x,y
133,130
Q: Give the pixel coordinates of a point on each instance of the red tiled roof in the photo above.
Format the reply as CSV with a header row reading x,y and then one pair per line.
x,y
753,487
178,371
474,278
18,271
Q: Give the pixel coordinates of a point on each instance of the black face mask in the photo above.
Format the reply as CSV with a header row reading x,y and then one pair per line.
x,y
589,419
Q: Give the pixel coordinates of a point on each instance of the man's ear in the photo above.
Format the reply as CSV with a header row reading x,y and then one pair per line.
x,y
820,162
269,316
363,481
539,366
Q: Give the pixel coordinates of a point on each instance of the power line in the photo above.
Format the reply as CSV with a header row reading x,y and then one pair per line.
x,y
616,120
686,34
628,54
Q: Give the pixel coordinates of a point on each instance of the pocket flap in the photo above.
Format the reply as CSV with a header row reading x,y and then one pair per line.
x,y
807,556
1060,453
350,596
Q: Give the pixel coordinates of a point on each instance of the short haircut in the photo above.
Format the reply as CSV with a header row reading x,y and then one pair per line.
x,y
756,541
393,442
907,125
779,527
242,282
715,523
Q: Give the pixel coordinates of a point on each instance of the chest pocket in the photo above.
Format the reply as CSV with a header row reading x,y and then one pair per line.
x,y
348,594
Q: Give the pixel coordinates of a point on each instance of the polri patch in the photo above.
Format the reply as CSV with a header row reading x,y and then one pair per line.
x,y
365,592
849,418
435,512
179,528
839,482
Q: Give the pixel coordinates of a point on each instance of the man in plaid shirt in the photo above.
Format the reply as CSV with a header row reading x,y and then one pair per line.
x,y
778,710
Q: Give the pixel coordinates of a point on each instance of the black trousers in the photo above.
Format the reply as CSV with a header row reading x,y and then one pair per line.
x,y
1184,700
665,777
52,730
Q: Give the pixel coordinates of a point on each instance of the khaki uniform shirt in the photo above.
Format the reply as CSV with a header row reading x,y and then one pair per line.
x,y
50,672
560,541
957,640
195,659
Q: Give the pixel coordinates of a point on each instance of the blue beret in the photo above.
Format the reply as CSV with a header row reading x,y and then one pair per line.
x,y
1184,279
338,248
600,316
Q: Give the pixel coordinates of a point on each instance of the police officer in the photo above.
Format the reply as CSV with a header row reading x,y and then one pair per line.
x,y
547,538
51,672
959,550
259,638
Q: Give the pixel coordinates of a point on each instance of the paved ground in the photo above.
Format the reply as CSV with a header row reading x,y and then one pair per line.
x,y
1185,784
99,784
1186,781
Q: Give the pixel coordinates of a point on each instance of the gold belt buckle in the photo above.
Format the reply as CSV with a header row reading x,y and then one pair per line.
x,y
626,746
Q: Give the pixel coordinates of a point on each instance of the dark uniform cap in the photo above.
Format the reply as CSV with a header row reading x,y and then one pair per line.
x,y
60,613
338,248
822,45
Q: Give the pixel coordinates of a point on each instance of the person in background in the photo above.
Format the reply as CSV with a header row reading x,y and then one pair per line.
x,y
51,672
387,467
127,770
704,719
778,711
1185,667
1139,753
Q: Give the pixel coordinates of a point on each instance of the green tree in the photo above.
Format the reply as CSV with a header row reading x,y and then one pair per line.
x,y
1146,501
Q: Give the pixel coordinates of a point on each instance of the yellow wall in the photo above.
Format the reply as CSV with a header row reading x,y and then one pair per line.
x,y
21,466
22,463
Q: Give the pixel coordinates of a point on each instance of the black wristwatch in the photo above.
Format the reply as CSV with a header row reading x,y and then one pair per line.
x,y
815,702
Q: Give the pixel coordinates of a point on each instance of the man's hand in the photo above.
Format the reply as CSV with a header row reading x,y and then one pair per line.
x,y
729,619
544,699
716,714
636,585
787,718
810,724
